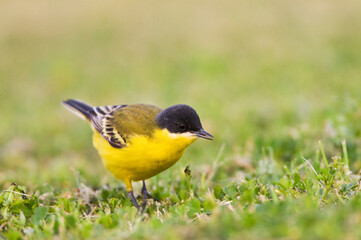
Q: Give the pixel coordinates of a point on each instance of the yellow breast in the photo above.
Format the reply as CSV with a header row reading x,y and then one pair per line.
x,y
144,156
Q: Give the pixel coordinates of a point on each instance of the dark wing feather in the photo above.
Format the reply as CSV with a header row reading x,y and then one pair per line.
x,y
117,123
102,121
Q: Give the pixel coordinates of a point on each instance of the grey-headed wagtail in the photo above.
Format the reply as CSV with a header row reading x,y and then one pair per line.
x,y
138,141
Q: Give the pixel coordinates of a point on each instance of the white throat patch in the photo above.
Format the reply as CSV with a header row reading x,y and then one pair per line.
x,y
181,135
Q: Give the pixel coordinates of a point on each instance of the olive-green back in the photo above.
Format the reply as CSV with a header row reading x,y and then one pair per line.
x,y
135,119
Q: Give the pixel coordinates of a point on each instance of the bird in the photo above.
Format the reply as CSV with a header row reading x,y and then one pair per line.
x,y
139,141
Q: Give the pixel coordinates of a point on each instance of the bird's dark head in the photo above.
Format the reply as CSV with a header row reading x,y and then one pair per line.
x,y
182,119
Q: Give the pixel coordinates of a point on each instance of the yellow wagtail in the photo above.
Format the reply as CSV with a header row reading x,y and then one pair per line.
x,y
139,141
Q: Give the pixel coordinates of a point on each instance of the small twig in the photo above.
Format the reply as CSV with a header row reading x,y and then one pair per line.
x,y
23,194
309,164
216,162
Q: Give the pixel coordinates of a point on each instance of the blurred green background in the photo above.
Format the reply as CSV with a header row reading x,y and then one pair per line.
x,y
279,73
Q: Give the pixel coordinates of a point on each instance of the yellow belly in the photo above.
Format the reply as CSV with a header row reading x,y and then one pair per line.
x,y
143,157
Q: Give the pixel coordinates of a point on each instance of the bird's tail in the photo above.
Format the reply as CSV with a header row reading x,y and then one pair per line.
x,y
79,108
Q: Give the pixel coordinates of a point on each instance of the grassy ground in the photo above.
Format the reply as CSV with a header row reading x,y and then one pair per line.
x,y
277,83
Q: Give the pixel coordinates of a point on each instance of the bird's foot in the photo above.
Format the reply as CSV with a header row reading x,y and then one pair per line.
x,y
133,200
146,195
150,196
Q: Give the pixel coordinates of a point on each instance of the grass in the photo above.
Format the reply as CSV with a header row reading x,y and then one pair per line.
x,y
306,200
276,83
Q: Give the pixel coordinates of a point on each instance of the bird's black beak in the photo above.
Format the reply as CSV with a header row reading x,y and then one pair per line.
x,y
203,134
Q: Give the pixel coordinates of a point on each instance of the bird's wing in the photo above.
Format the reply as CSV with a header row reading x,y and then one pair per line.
x,y
103,122
136,119
118,123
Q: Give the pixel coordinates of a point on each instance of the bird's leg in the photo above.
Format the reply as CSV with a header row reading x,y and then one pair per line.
x,y
128,184
132,198
146,194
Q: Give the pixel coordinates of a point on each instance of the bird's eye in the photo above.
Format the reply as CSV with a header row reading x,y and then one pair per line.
x,y
182,127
